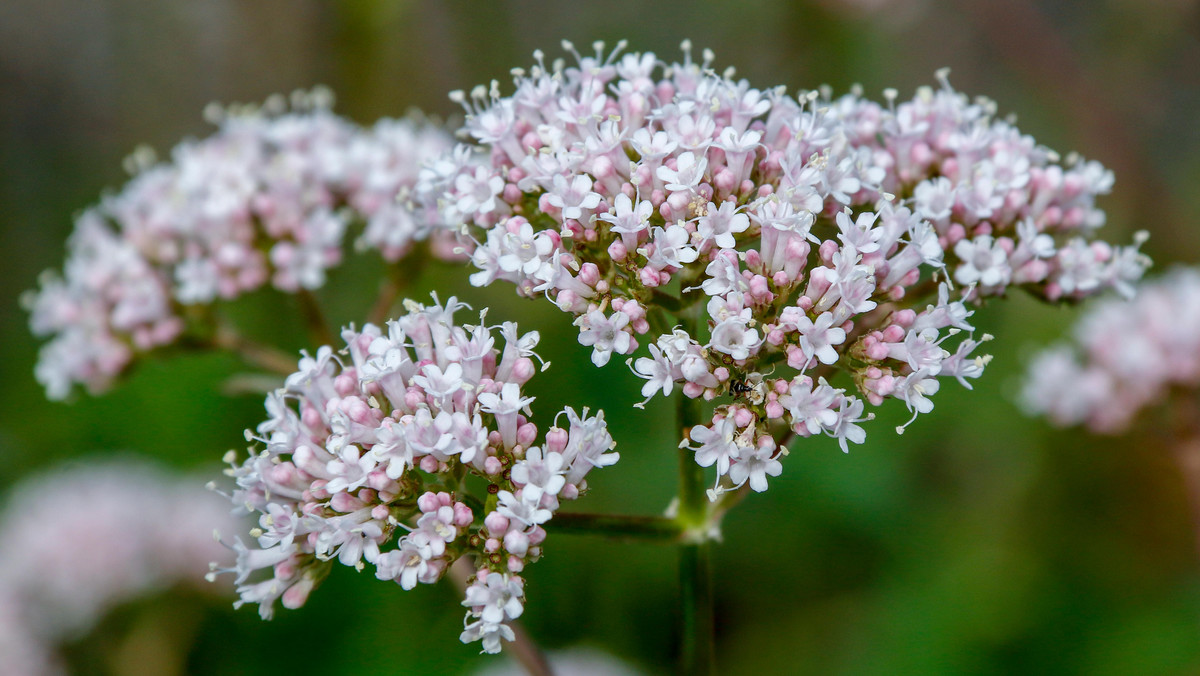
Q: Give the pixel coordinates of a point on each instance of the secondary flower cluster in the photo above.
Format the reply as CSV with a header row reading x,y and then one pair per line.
x,y
267,199
1126,355
384,442
117,530
816,227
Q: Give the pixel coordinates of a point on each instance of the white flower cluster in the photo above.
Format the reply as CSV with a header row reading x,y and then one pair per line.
x,y
82,539
1127,355
266,199
816,227
358,451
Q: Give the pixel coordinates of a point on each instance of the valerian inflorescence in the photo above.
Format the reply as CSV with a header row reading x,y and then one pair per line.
x,y
1126,355
268,199
366,455
817,237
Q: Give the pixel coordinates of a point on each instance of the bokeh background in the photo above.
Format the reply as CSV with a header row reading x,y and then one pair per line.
x,y
979,542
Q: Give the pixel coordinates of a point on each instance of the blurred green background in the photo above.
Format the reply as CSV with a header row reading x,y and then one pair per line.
x,y
979,542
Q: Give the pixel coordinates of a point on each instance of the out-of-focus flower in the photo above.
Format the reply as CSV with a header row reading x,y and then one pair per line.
x,y
1126,355
83,538
267,199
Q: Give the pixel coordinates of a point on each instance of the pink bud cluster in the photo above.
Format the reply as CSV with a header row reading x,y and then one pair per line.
x,y
267,199
827,234
117,530
367,456
1126,355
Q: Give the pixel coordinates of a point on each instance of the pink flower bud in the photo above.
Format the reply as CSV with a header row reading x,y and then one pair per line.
x,y
516,542
795,357
428,502
526,434
496,523
463,516
344,502
617,250
297,594
556,440
413,398
523,370
537,535
589,274
725,181
602,167
648,276
345,384
492,466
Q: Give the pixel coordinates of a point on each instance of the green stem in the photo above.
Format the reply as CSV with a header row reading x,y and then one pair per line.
x,y
695,565
699,656
652,528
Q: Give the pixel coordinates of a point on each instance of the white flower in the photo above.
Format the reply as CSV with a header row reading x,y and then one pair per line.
x,y
818,338
811,408
984,262
606,335
657,371
687,174
538,475
734,338
754,463
671,248
573,197
521,509
524,251
720,223
716,444
476,192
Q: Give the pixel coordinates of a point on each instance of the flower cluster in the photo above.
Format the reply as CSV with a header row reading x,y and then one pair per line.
x,y
120,530
384,443
267,199
827,234
1127,355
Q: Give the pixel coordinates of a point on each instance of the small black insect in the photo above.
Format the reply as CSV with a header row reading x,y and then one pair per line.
x,y
750,388
740,387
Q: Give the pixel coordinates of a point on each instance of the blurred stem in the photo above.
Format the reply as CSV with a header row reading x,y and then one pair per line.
x,y
652,528
1187,457
696,580
253,353
319,330
695,564
401,275
1185,447
523,647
